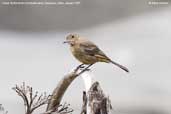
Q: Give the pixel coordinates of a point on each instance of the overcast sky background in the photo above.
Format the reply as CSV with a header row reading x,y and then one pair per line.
x,y
132,33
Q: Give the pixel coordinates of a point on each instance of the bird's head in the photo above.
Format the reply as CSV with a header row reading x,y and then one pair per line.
x,y
71,39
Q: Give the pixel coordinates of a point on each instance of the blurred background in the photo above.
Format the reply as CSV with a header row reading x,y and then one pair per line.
x,y
134,33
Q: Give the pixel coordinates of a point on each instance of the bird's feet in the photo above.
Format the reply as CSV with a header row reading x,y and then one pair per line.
x,y
80,67
86,69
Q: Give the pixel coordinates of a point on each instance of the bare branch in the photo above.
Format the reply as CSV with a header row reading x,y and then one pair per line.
x,y
95,101
31,100
62,86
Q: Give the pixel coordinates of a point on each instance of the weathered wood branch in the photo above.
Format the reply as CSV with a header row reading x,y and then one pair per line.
x,y
84,106
60,90
62,86
95,101
32,101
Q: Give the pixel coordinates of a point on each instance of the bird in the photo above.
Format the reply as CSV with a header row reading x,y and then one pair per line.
x,y
87,52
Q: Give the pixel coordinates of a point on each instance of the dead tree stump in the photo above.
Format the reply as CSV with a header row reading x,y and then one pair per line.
x,y
95,101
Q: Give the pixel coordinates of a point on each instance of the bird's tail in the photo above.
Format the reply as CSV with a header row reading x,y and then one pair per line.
x,y
104,58
120,66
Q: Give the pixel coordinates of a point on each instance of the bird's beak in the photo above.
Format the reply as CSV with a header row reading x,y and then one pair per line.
x,y
65,42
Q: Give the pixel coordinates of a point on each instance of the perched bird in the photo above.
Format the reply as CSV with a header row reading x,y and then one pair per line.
x,y
87,52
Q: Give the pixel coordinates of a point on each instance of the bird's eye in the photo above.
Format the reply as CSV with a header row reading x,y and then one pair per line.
x,y
72,36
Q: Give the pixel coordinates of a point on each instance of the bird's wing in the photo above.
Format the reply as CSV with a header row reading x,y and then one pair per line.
x,y
91,49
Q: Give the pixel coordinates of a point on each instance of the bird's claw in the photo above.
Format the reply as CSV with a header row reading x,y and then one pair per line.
x,y
85,69
88,69
79,67
82,66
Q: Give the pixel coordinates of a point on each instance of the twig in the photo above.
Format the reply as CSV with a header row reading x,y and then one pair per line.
x,y
31,100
